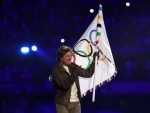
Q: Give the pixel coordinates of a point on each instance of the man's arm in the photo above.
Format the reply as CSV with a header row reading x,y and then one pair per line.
x,y
79,71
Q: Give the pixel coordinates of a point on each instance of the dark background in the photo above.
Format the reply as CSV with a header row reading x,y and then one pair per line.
x,y
24,85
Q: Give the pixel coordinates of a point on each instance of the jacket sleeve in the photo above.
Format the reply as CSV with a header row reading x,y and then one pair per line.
x,y
63,81
79,71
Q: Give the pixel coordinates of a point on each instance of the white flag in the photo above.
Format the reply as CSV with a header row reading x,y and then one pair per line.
x,y
94,37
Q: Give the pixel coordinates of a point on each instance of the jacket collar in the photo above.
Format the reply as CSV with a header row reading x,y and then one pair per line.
x,y
63,69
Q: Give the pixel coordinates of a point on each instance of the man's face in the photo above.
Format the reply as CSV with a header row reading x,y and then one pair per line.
x,y
66,60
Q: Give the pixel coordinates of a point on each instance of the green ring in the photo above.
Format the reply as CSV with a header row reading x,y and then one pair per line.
x,y
79,51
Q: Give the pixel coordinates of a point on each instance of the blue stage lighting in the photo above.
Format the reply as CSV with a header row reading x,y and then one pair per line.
x,y
34,48
24,49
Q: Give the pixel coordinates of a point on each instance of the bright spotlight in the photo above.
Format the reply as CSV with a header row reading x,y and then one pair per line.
x,y
91,10
62,40
34,48
127,4
24,49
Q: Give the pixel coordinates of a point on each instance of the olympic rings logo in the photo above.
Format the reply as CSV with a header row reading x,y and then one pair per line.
x,y
89,53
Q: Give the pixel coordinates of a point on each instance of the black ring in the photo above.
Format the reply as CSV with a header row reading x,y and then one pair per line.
x,y
81,54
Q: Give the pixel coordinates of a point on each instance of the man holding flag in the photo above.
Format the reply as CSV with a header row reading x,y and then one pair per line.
x,y
66,82
73,82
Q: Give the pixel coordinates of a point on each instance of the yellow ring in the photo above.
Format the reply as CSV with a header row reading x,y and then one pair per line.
x,y
100,17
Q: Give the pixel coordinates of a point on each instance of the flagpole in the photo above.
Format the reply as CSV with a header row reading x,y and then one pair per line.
x,y
93,97
94,85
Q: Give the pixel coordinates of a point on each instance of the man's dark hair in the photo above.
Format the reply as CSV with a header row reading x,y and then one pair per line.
x,y
62,51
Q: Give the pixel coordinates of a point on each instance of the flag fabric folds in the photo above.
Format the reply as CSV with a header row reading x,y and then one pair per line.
x,y
94,37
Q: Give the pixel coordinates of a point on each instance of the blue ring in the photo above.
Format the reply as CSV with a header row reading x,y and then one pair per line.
x,y
91,37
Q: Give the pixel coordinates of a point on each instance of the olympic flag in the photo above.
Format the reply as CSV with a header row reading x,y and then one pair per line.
x,y
94,37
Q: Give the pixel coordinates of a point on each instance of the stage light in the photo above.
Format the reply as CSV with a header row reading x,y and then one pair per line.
x,y
34,48
127,4
62,40
91,10
24,49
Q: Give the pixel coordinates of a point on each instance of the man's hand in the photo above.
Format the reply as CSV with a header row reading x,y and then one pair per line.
x,y
96,54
